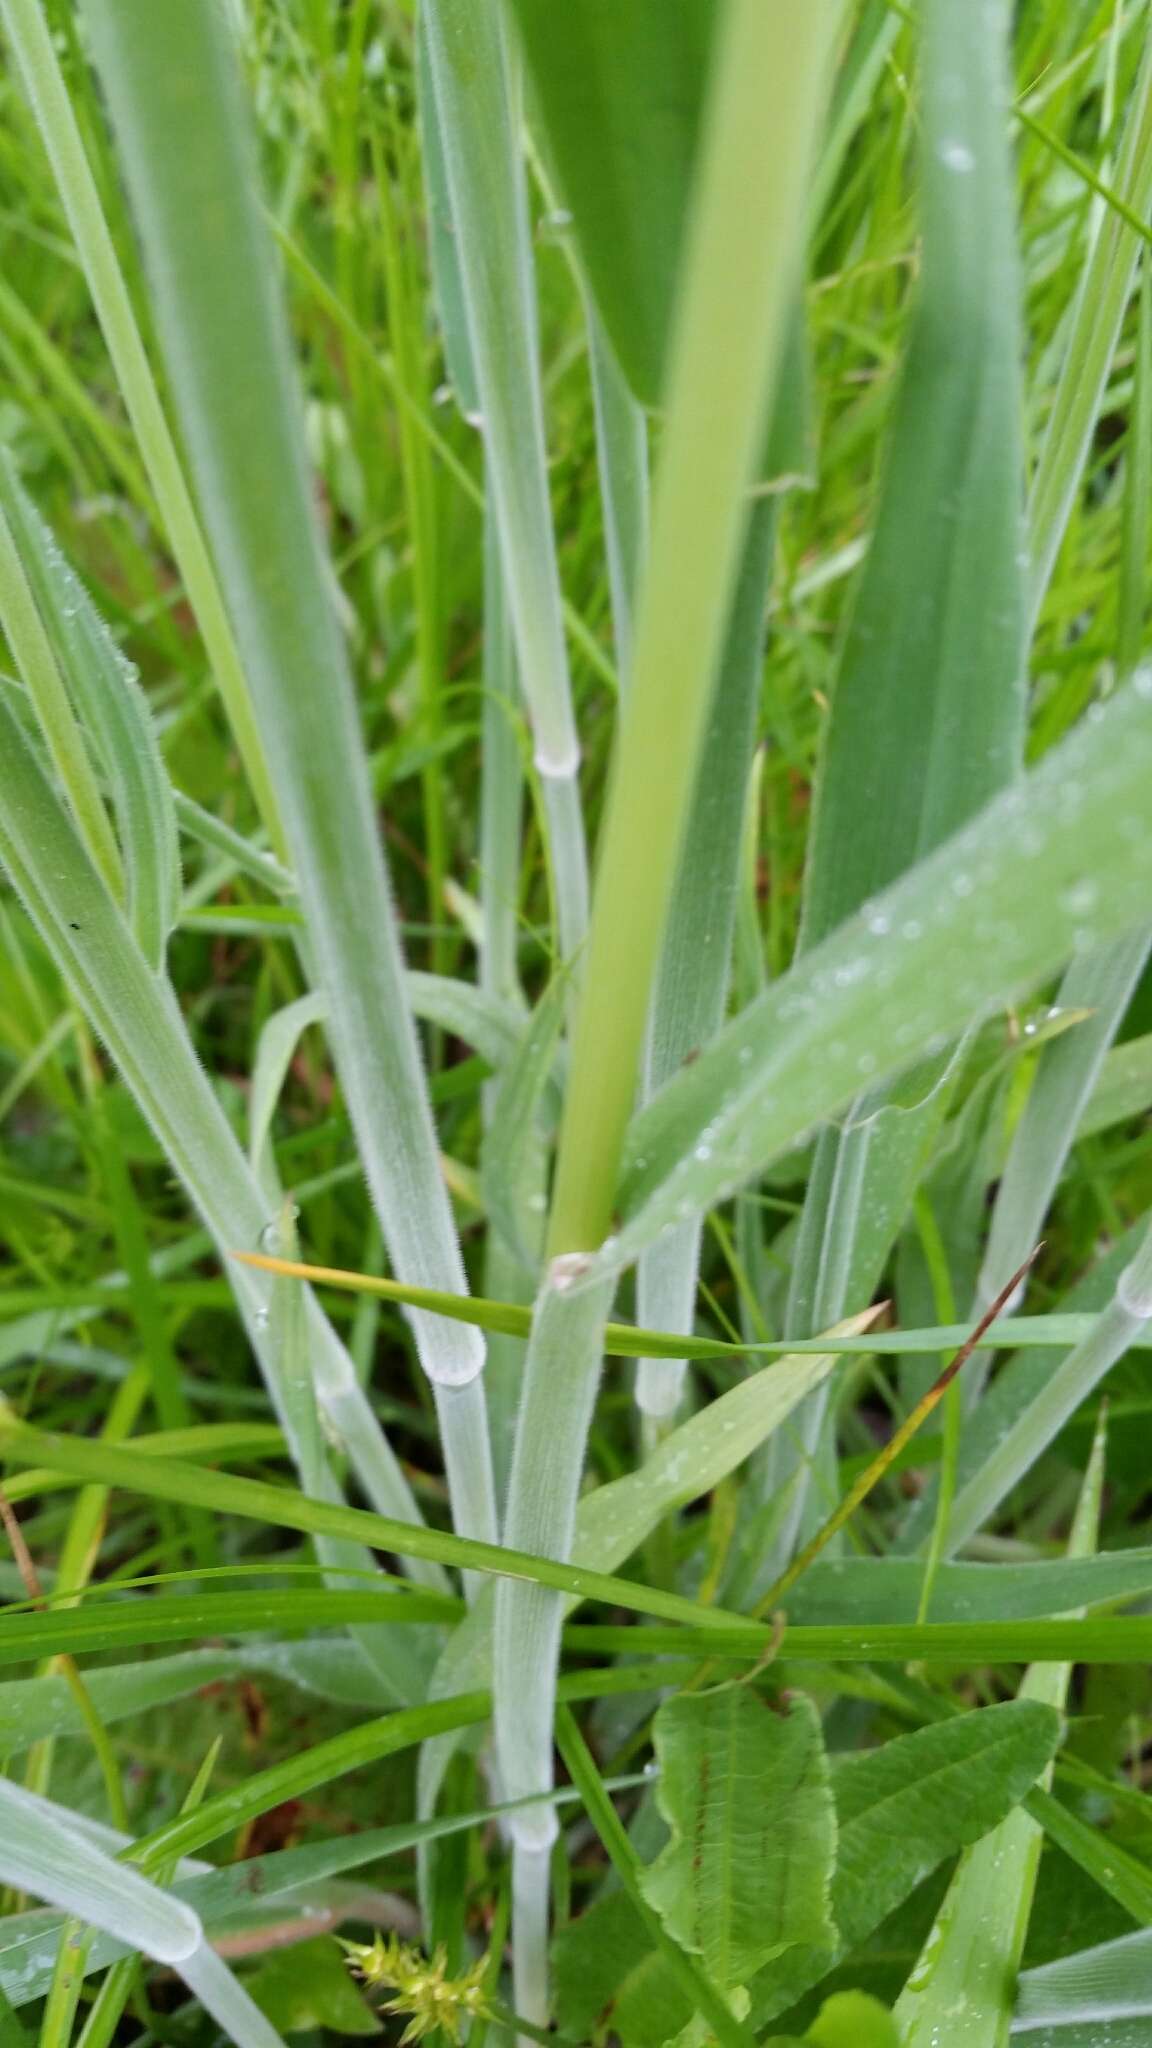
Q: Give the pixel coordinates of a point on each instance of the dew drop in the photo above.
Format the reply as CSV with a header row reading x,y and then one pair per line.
x,y
957,156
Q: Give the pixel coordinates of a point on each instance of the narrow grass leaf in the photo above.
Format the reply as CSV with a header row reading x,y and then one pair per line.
x,y
928,709
476,118
621,92
970,1960
39,65
907,975
1096,1985
136,1016
188,158
115,713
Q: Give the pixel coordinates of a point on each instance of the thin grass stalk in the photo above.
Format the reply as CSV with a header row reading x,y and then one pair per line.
x,y
477,123
501,804
189,164
764,111
1118,1326
692,984
1101,984
30,36
622,462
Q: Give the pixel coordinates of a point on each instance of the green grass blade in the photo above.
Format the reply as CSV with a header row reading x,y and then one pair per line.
x,y
40,673
116,716
189,166
32,43
473,110
903,977
137,1018
621,92
1118,1325
972,1956
928,707
1105,286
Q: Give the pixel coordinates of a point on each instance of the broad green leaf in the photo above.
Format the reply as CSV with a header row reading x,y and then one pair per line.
x,y
745,1791
607,1970
905,1807
620,91
946,942
309,1986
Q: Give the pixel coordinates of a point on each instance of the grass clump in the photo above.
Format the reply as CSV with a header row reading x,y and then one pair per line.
x,y
450,453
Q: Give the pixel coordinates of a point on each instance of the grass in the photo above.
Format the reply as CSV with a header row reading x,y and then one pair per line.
x,y
440,463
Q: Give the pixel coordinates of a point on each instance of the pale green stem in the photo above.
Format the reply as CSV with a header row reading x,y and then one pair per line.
x,y
727,349
622,460
692,985
475,99
501,804
741,269
31,39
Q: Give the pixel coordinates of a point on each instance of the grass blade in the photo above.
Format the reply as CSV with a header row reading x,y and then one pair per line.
x,y
190,169
31,40
899,979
